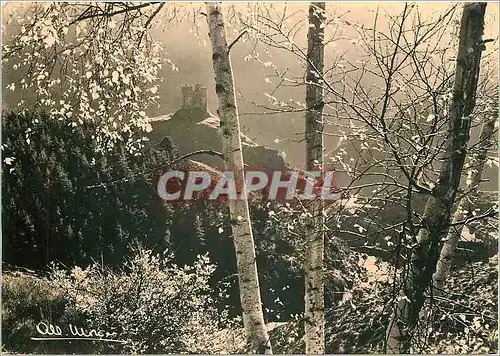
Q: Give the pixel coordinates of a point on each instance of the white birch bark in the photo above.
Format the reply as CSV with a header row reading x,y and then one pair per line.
x,y
437,214
255,328
477,163
314,333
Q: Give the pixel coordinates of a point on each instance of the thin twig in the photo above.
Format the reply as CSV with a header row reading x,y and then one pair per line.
x,y
236,40
111,14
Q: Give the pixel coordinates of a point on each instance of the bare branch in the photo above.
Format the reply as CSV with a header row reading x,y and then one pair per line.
x,y
233,42
85,16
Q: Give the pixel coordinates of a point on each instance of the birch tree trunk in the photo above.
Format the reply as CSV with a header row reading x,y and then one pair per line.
x,y
437,213
315,239
255,328
477,163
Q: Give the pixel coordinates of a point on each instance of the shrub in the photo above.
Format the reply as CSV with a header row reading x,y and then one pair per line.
x,y
27,300
154,307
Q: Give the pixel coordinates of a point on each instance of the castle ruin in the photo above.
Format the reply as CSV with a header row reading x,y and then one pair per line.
x,y
194,96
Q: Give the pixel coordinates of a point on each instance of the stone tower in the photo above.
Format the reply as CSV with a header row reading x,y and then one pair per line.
x,y
194,96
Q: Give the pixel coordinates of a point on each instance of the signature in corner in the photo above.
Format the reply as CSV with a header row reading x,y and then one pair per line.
x,y
54,332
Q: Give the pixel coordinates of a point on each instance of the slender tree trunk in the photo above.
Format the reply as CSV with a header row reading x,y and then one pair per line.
x,y
477,163
315,238
253,319
437,214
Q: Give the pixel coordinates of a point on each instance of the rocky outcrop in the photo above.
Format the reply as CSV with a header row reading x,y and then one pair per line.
x,y
193,128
